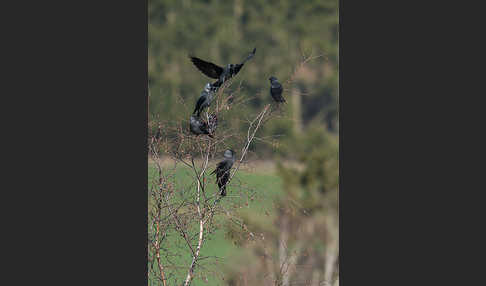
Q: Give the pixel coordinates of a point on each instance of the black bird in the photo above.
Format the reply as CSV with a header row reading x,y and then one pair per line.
x,y
276,90
221,74
198,127
204,99
223,170
158,135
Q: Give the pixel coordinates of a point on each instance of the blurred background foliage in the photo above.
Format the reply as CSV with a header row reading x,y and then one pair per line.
x,y
298,242
283,31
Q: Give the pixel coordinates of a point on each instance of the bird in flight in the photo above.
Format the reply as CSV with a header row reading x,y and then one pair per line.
x,y
223,170
276,90
221,74
198,127
204,99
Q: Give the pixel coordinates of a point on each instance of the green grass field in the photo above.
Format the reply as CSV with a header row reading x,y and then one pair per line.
x,y
265,186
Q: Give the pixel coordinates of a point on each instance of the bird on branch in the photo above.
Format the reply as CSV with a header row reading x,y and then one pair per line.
x,y
198,127
204,99
223,170
276,90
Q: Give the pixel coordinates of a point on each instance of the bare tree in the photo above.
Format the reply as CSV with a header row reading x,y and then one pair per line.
x,y
176,208
184,215
302,248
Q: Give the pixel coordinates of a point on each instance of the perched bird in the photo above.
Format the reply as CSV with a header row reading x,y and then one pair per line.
x,y
276,90
198,127
223,170
158,135
212,123
221,74
204,99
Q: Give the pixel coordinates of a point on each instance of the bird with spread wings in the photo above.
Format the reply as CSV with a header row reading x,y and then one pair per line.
x,y
221,74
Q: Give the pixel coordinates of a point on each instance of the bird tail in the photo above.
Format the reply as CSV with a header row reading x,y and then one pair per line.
x,y
212,172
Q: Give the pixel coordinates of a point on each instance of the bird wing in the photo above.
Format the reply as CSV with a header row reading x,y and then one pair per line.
x,y
276,89
238,67
218,166
250,55
223,179
217,84
207,68
276,92
198,104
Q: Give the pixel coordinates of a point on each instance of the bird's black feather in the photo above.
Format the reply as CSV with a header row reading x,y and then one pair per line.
x,y
276,90
209,69
223,171
198,106
198,127
223,179
221,74
204,99
238,67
